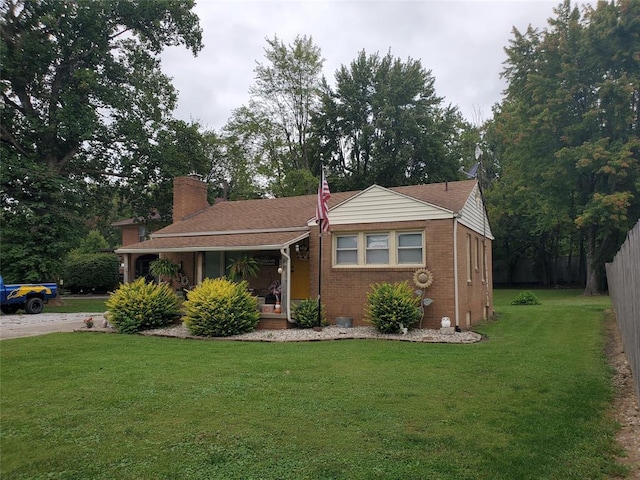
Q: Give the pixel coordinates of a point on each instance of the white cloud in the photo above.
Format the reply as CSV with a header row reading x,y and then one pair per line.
x,y
461,42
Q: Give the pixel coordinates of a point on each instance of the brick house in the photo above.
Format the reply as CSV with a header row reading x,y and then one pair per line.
x,y
377,235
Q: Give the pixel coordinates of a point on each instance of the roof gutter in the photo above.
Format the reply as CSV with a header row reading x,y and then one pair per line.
x,y
228,248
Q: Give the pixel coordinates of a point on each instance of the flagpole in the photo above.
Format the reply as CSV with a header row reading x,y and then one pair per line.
x,y
322,216
320,273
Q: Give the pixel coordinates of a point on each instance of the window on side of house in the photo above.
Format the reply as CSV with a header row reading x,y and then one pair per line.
x,y
469,258
347,249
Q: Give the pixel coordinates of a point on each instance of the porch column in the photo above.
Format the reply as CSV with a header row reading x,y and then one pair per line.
x,y
199,268
126,261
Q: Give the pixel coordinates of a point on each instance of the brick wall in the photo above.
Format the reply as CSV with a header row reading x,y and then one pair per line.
x,y
344,290
189,197
130,234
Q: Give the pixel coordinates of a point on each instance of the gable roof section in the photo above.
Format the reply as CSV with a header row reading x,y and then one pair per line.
x,y
416,202
474,215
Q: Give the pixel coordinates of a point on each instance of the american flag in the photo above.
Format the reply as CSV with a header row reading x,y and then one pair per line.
x,y
322,209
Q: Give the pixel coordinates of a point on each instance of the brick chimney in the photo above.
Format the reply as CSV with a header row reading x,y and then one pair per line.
x,y
189,196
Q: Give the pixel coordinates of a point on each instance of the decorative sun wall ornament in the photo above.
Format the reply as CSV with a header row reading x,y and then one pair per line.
x,y
422,278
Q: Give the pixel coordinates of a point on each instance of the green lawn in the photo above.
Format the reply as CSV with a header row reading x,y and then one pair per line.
x,y
528,403
76,305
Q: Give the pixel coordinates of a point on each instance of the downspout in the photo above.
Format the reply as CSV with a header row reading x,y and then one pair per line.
x,y
455,269
283,252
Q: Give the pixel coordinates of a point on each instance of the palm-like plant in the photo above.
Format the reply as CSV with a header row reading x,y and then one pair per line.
x,y
243,267
164,268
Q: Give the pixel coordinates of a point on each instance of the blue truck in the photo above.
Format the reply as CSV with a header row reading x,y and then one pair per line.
x,y
29,297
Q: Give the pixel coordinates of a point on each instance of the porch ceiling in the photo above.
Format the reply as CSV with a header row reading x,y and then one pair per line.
x,y
235,241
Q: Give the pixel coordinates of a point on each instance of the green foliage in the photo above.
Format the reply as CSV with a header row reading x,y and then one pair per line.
x,y
141,306
305,314
567,138
371,128
391,307
64,64
92,243
273,132
163,267
526,298
91,272
220,308
40,223
243,267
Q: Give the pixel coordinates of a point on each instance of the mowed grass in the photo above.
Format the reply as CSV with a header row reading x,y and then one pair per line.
x,y
76,305
530,402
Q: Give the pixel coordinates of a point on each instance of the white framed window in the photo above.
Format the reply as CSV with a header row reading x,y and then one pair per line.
x,y
346,250
376,249
409,248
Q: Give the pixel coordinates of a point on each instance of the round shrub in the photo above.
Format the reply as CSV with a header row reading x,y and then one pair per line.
x,y
305,314
391,307
141,306
220,308
526,298
91,272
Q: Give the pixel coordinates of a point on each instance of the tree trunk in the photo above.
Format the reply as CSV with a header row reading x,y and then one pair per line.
x,y
592,285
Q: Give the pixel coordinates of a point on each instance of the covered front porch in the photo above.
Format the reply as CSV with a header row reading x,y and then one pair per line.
x,y
283,273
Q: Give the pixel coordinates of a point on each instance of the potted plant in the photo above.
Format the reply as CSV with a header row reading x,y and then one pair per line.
x,y
243,267
164,268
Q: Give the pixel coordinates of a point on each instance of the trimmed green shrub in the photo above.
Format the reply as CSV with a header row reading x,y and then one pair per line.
x,y
91,272
141,306
391,307
526,298
220,308
305,314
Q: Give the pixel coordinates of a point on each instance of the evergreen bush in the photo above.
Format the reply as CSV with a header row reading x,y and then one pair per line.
x,y
91,272
141,306
526,298
220,308
391,307
305,314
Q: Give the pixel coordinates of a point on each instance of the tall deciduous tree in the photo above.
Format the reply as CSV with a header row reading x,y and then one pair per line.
x,y
384,124
277,121
82,95
569,128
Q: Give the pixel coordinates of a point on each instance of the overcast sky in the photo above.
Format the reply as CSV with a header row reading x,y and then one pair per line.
x,y
461,42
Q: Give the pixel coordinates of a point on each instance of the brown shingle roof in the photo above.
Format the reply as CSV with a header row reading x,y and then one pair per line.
x,y
449,195
277,221
263,214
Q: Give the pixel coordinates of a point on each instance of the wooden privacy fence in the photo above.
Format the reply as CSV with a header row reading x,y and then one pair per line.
x,y
623,276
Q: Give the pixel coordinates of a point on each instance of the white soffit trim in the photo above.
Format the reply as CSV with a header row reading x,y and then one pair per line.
x,y
228,232
473,214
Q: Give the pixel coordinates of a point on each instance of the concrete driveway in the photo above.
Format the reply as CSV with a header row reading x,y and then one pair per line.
x,y
23,325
